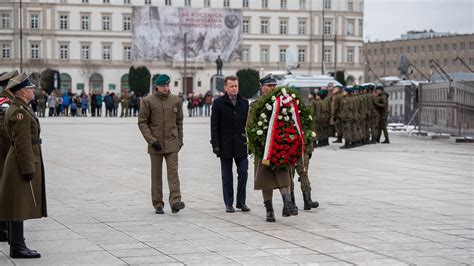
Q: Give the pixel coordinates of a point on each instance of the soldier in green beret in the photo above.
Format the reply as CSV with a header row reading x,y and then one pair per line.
x,y
160,121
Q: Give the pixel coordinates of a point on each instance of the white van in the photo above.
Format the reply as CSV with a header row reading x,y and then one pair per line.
x,y
305,83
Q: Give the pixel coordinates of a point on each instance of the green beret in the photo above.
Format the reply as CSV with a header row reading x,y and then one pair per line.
x,y
162,80
323,92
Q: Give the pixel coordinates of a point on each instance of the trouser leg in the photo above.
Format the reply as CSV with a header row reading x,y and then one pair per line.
x,y
227,181
173,177
242,172
156,180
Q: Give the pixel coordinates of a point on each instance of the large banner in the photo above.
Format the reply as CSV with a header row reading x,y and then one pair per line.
x,y
159,33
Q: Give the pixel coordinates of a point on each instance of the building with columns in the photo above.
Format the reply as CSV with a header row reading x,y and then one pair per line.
x,y
90,41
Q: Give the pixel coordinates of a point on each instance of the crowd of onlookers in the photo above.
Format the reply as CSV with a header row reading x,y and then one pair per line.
x,y
97,104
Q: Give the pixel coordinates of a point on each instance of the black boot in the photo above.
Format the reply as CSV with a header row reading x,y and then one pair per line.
x,y
18,248
294,208
3,231
338,140
308,203
288,207
270,214
386,141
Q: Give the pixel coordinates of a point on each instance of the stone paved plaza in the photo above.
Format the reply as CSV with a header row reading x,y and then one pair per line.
x,y
410,202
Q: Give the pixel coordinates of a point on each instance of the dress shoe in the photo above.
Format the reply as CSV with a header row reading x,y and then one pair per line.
x,y
177,206
229,209
243,207
159,210
20,251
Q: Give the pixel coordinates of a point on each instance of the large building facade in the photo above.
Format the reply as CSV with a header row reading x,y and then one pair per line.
x,y
90,41
421,48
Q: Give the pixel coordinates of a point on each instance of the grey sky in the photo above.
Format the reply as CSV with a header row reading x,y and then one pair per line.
x,y
388,19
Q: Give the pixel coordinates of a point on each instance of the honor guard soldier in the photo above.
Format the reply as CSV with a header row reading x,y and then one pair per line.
x,y
161,123
22,187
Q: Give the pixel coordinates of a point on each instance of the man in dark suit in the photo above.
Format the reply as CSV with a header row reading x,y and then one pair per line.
x,y
228,119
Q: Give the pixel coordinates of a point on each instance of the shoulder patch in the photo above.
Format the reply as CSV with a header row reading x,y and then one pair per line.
x,y
20,116
4,100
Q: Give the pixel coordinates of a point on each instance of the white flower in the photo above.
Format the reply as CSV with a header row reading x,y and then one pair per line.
x,y
274,98
263,115
269,107
265,127
310,117
283,111
259,132
280,117
287,118
313,134
293,95
265,120
260,123
283,91
299,111
298,102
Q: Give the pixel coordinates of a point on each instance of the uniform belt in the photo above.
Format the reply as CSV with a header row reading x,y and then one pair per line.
x,y
33,142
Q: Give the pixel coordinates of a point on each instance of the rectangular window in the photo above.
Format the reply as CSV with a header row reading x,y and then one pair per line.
x,y
302,4
455,46
127,2
127,53
302,27
264,3
471,61
34,21
264,26
187,2
350,55
415,49
245,55
361,6
106,52
438,47
127,23
84,1
282,55
63,51
283,4
34,51
106,23
264,55
350,6
63,22
5,21
430,48
361,27
301,55
6,53
445,47
226,3
246,26
147,2
207,3
422,48
106,1
388,51
85,52
327,27
167,2
283,26
350,27
327,55
461,46
327,4
471,45
85,22
245,3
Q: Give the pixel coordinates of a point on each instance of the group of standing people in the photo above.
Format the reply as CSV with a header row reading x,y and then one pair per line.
x,y
199,105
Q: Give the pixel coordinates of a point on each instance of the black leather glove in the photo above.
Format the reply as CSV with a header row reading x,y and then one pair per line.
x,y
315,144
29,176
216,151
310,155
156,146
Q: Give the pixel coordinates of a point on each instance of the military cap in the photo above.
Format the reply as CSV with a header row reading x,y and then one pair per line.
x,y
338,86
379,87
371,86
7,76
268,80
19,82
323,92
162,80
349,90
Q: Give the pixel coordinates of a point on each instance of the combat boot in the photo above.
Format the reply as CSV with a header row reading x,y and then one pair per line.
x,y
386,141
308,203
3,231
288,208
270,213
294,208
18,248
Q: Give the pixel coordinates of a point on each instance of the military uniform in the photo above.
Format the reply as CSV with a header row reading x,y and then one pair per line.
x,y
334,119
125,102
346,115
22,186
42,98
160,121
